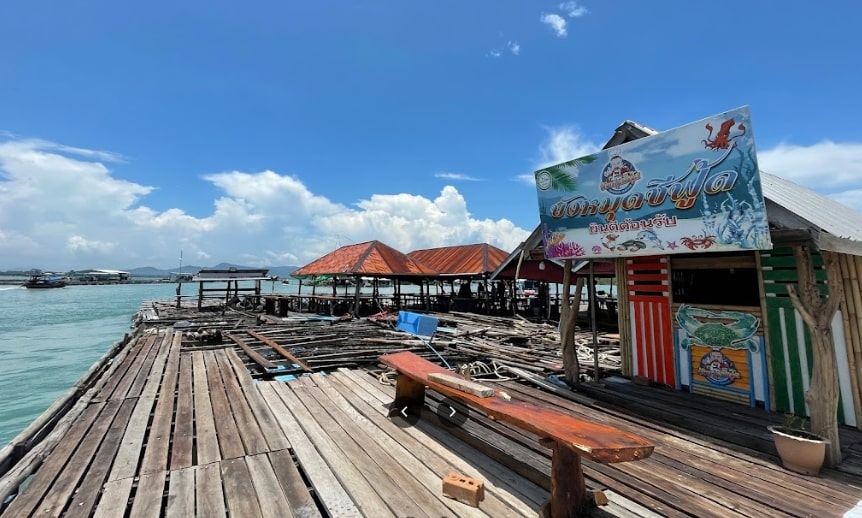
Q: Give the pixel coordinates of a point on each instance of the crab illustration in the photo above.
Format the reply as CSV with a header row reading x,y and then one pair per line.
x,y
702,328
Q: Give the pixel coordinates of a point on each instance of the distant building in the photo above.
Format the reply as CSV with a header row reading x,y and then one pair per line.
x,y
98,276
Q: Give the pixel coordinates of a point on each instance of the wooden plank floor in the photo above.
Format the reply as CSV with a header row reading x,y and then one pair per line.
x,y
188,433
176,432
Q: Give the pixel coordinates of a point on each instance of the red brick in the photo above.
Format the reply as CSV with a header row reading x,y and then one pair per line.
x,y
464,489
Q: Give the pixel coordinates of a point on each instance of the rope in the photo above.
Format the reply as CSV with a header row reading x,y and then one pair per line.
x,y
480,371
387,377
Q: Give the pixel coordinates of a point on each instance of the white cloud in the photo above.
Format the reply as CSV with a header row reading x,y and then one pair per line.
x,y
562,143
556,22
573,10
62,208
831,168
514,48
458,176
494,53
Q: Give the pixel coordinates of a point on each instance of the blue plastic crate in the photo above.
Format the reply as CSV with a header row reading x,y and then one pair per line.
x,y
417,324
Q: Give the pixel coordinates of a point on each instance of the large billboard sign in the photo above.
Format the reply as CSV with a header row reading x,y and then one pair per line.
x,y
692,189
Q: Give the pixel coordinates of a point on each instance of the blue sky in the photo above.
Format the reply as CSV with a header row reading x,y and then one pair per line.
x,y
270,133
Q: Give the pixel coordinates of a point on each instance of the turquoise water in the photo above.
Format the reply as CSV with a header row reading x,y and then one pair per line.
x,y
49,338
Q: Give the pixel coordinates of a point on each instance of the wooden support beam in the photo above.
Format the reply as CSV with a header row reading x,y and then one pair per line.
x,y
280,350
254,355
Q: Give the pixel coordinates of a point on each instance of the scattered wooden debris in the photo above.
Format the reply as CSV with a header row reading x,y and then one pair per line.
x,y
479,345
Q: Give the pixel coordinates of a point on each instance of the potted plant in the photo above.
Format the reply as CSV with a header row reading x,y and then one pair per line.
x,y
800,450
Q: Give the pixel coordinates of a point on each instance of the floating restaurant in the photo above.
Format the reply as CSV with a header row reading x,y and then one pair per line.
x,y
212,408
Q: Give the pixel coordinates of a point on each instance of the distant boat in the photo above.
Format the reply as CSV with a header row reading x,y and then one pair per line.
x,y
39,279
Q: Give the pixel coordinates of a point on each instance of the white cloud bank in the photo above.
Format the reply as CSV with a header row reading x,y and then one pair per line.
x,y
61,208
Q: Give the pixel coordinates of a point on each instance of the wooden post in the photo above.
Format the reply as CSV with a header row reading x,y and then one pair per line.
x,y
568,325
409,397
569,497
817,312
623,316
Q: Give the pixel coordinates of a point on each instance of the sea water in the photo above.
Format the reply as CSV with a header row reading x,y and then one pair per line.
x,y
50,337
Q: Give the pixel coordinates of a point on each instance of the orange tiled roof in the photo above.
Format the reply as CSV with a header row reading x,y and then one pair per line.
x,y
370,258
464,259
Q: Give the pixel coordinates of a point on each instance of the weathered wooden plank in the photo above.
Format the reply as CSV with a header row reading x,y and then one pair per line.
x,y
67,480
138,350
414,455
183,436
395,467
255,356
387,477
159,438
237,484
470,387
289,478
25,503
126,461
209,496
229,440
249,430
181,494
151,366
275,438
280,350
206,441
327,486
115,498
351,477
505,493
148,496
273,502
170,342
88,492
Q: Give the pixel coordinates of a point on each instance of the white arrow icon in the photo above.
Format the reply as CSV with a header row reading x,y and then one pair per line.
x,y
453,411
404,412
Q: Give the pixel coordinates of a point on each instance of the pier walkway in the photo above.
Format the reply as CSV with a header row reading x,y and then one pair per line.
x,y
177,430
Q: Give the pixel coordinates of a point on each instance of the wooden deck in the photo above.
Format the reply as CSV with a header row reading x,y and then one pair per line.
x,y
170,431
182,433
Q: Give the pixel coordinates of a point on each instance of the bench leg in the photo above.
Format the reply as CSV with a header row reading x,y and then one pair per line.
x,y
410,394
569,497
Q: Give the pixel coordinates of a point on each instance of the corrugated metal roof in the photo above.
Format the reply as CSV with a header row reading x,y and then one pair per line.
x,y
369,258
475,259
822,212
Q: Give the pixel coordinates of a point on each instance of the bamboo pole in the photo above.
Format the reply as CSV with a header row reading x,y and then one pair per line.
x,y
624,316
767,340
848,313
854,300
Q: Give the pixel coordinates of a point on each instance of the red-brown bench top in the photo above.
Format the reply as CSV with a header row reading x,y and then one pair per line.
x,y
595,441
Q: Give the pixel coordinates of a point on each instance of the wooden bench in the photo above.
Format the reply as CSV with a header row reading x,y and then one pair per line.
x,y
570,437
